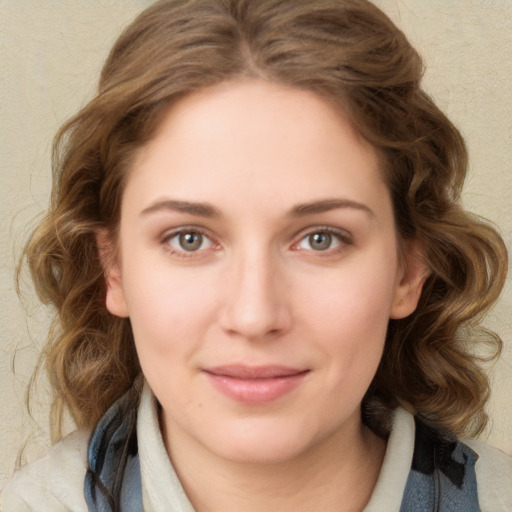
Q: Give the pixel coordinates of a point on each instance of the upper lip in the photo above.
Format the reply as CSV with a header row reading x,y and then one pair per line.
x,y
243,372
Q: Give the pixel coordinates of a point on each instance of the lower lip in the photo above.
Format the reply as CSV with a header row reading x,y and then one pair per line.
x,y
256,391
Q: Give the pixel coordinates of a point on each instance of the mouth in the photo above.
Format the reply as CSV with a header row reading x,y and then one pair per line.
x,y
255,385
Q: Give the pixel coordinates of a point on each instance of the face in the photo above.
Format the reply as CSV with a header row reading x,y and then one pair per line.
x,y
258,264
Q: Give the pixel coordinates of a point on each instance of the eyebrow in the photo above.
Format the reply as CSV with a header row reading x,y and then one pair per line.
x,y
209,211
197,209
326,205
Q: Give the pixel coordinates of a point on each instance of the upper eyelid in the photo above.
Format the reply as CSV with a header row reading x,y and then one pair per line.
x,y
170,233
342,233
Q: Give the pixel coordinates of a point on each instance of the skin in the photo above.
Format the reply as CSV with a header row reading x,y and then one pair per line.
x,y
259,290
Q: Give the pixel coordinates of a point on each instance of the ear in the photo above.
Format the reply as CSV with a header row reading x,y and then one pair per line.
x,y
115,299
410,279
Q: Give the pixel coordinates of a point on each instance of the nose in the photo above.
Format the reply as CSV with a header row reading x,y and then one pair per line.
x,y
256,305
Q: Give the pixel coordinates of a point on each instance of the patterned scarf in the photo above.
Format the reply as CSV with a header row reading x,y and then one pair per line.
x,y
442,477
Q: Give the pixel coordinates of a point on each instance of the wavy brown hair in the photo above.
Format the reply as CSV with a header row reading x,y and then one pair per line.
x,y
346,51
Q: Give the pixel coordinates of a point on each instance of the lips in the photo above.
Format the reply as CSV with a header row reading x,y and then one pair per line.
x,y
255,384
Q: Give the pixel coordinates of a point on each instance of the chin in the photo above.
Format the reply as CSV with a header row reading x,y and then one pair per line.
x,y
259,444
263,453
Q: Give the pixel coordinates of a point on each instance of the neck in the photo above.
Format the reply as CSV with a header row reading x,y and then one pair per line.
x,y
338,473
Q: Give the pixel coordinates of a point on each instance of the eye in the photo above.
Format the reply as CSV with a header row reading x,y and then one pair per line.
x,y
189,241
322,241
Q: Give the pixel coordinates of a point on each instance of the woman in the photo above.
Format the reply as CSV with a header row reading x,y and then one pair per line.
x,y
261,271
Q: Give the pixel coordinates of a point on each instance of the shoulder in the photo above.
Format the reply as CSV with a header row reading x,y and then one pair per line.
x,y
494,476
53,483
420,462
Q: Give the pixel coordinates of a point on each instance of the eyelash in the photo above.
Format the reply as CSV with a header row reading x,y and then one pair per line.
x,y
343,237
183,253
344,240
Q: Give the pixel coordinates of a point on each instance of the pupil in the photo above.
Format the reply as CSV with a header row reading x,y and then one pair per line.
x,y
320,241
191,241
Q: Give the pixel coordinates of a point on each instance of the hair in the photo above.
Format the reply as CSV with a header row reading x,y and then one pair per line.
x,y
351,54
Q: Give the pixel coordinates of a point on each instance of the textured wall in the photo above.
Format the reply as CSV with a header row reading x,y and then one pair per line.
x,y
51,52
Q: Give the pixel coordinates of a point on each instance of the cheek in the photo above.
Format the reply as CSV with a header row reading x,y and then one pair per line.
x,y
167,308
349,315
170,316
358,296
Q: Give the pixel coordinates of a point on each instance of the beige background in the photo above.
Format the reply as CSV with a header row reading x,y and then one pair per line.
x,y
50,55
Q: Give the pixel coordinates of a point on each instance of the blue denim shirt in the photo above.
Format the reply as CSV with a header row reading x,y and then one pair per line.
x,y
442,476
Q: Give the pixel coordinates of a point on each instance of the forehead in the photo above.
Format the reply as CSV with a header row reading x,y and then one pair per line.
x,y
255,140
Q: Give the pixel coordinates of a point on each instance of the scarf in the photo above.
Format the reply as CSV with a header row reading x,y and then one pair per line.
x,y
442,476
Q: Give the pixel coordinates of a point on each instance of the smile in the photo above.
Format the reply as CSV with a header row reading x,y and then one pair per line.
x,y
255,385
